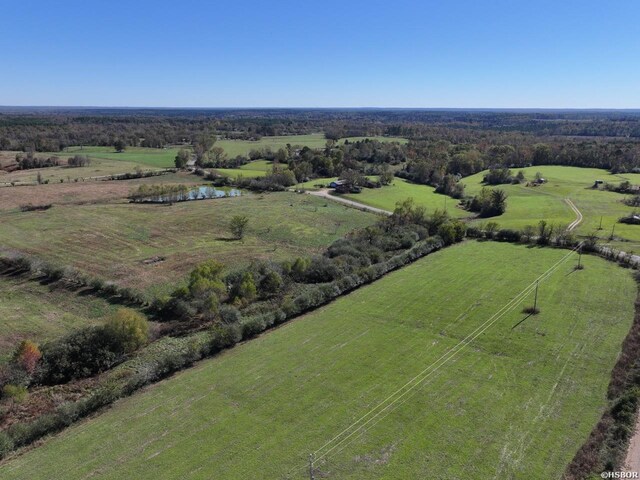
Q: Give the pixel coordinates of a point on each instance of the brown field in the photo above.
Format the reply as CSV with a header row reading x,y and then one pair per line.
x,y
12,198
152,247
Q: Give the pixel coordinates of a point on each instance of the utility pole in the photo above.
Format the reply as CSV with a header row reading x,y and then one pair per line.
x,y
613,229
580,257
600,227
311,475
535,300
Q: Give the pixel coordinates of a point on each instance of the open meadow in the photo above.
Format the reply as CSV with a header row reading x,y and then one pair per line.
x,y
150,247
516,402
527,205
148,157
37,312
256,168
423,195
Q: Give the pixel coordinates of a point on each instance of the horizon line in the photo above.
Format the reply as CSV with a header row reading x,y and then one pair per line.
x,y
132,107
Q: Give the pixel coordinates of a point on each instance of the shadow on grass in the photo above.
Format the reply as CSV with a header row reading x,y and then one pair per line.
x,y
521,321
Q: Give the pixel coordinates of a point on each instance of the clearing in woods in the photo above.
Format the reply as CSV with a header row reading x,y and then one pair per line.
x,y
234,148
530,390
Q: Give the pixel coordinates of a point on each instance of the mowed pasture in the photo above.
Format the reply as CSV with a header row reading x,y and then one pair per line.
x,y
517,402
38,312
151,247
257,168
424,195
150,157
529,205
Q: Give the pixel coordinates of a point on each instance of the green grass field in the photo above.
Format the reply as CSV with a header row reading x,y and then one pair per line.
x,y
234,148
516,403
150,157
257,168
32,311
529,205
387,197
113,240
164,157
97,168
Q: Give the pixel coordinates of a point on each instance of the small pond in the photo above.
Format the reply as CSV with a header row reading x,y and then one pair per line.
x,y
203,192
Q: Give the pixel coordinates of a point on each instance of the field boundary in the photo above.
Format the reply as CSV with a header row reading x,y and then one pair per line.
x,y
608,444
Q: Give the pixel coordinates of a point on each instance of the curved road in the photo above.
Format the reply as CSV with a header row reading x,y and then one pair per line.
x,y
325,193
578,219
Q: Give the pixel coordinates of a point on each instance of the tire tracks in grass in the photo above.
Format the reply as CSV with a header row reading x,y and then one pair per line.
x,y
579,217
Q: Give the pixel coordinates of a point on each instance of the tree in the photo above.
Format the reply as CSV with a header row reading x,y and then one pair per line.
x,y
78,161
271,283
182,158
128,328
206,287
202,145
27,356
407,211
217,155
206,277
247,291
498,201
489,203
496,176
541,154
238,225
119,145
386,175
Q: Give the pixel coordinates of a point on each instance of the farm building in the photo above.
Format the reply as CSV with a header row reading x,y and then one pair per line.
x,y
337,183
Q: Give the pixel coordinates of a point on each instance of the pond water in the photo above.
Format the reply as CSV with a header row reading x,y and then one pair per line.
x,y
203,192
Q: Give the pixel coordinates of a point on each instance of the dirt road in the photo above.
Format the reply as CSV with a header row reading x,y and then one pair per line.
x,y
325,193
578,219
632,462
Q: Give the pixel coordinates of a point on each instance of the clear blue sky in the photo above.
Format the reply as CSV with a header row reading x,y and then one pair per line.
x,y
305,53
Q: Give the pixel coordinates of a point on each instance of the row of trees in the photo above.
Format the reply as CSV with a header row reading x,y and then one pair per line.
x,y
211,294
30,160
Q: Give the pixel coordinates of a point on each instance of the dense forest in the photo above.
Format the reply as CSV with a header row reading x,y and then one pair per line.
x,y
441,142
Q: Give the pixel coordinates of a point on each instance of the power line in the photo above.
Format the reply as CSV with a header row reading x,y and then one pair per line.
x,y
434,366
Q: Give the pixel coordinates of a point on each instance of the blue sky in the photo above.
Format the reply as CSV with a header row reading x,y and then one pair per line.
x,y
448,53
